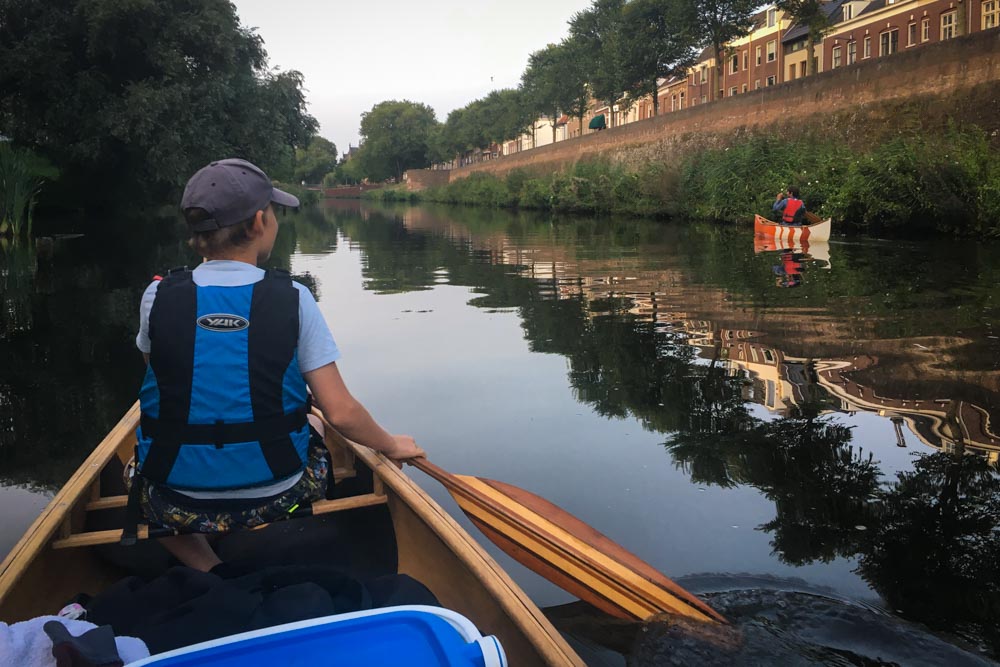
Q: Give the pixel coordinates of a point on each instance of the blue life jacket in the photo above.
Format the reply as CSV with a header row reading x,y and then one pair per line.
x,y
223,402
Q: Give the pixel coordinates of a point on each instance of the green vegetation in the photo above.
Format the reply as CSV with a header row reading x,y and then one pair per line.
x,y
21,177
396,136
315,161
128,99
943,183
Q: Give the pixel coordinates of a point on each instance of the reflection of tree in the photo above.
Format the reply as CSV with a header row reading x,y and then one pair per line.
x,y
935,551
820,485
67,341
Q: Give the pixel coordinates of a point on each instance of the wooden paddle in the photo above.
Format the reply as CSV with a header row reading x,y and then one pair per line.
x,y
566,551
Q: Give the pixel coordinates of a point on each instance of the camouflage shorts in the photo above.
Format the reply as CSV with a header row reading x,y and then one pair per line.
x,y
166,507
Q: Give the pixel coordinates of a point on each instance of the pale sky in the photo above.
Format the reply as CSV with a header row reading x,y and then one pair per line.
x,y
439,52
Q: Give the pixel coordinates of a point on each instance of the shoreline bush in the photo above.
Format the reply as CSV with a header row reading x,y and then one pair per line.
x,y
946,183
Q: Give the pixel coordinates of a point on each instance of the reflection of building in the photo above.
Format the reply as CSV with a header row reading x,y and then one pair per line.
x,y
940,423
726,329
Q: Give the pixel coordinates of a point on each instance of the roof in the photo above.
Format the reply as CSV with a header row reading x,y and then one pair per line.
x,y
800,31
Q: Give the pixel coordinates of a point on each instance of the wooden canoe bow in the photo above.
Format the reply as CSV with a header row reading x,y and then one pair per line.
x,y
566,551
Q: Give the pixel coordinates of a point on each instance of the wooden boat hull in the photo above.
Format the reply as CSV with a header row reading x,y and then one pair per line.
x,y
37,578
818,230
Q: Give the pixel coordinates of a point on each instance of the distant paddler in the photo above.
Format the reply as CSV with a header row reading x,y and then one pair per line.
x,y
791,208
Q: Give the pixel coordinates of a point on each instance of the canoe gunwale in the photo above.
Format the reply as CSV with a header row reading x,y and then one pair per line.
x,y
59,510
520,611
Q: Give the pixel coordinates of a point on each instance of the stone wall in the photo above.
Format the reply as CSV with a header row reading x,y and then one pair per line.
x,y
419,179
955,79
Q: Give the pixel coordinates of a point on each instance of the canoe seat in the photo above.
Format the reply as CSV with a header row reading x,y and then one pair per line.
x,y
72,533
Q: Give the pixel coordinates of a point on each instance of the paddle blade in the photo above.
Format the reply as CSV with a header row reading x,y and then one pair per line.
x,y
571,554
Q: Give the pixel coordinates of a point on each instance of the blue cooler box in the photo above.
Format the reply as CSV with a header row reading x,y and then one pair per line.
x,y
411,635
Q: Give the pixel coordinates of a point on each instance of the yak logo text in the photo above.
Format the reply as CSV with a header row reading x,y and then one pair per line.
x,y
223,322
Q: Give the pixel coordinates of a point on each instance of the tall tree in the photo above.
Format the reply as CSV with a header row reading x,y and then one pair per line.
x,y
544,82
315,161
598,32
661,43
813,14
132,96
718,22
576,97
396,135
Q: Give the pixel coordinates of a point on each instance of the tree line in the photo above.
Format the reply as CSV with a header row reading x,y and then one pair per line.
x,y
127,98
616,50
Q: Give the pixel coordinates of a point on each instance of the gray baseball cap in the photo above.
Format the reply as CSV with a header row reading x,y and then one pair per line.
x,y
231,191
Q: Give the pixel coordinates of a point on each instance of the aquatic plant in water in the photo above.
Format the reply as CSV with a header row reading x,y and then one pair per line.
x,y
21,177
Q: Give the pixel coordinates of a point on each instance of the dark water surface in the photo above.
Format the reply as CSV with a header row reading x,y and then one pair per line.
x,y
805,436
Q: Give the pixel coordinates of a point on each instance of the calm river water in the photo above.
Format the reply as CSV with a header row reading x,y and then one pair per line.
x,y
783,431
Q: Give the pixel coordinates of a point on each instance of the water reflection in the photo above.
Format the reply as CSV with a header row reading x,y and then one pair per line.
x,y
792,259
655,335
751,390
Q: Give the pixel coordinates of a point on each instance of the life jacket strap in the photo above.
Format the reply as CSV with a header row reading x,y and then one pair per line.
x,y
222,433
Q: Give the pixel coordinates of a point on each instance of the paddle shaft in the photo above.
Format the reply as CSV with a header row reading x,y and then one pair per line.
x,y
510,504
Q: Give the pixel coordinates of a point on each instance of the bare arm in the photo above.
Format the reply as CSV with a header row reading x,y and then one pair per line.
x,y
352,419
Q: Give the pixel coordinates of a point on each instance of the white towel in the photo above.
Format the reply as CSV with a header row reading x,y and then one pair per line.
x,y
25,644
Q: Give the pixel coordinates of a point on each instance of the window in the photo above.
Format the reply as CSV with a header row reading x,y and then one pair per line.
x,y
673,103
771,80
836,58
682,100
911,34
734,64
888,42
759,52
732,91
868,48
772,17
791,71
991,14
771,50
852,53
848,12
948,25
744,88
704,73
925,30
704,99
756,84
746,60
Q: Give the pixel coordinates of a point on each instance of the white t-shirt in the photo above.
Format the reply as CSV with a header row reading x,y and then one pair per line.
x,y
316,347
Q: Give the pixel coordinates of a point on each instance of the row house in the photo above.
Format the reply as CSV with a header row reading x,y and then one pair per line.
x,y
776,50
755,61
795,44
883,27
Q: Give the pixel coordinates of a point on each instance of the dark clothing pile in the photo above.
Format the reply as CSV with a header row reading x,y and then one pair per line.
x,y
185,606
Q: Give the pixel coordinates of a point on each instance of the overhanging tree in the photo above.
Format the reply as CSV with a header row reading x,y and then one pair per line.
x,y
132,97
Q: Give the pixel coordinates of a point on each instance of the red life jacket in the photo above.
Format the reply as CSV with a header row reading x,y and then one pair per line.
x,y
792,206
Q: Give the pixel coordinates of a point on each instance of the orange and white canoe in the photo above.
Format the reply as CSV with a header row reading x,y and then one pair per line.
x,y
817,230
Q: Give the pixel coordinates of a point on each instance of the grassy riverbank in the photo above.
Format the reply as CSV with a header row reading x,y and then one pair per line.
x,y
947,183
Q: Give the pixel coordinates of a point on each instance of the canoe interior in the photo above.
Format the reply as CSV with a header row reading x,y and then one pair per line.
x,y
410,534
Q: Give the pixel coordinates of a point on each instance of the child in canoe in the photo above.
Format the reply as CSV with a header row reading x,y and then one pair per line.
x,y
226,439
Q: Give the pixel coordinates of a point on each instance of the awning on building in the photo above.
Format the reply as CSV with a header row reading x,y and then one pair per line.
x,y
597,122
